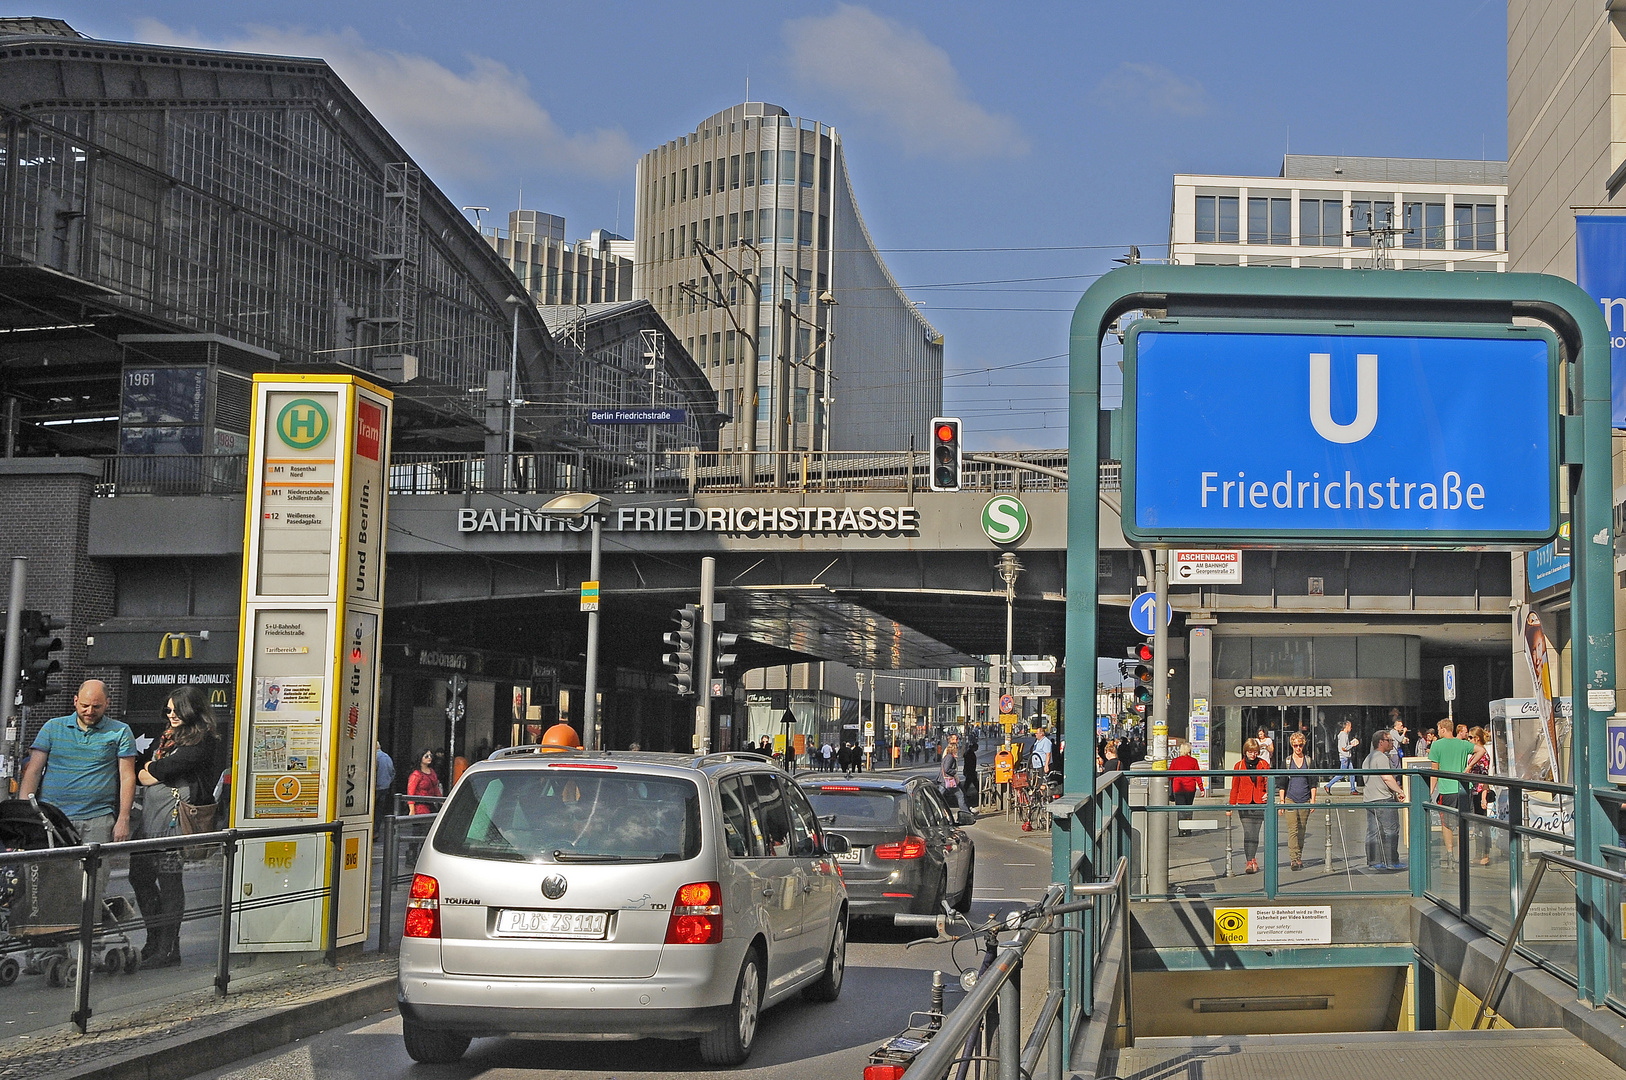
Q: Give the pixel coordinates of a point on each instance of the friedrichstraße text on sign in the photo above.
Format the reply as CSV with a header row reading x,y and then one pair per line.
x,y
841,520
637,416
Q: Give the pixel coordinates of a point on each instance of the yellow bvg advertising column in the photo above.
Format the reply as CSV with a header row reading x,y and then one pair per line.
x,y
313,590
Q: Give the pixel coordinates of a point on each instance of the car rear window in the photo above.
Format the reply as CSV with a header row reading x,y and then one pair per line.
x,y
856,808
530,815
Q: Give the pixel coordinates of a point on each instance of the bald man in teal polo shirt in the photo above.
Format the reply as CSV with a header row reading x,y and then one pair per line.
x,y
88,765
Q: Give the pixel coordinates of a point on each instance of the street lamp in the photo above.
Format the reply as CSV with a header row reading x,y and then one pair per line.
x,y
1009,568
578,504
513,389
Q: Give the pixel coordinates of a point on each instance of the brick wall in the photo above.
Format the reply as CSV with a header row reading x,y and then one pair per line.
x,y
45,516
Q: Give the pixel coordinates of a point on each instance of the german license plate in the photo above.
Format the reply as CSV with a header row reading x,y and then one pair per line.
x,y
550,924
851,855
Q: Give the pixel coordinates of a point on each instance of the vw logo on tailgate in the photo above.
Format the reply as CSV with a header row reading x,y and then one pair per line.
x,y
554,886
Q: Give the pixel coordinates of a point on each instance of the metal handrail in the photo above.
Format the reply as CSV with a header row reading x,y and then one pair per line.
x,y
1543,858
91,856
996,988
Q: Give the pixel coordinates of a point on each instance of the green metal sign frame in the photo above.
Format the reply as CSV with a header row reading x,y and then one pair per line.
x,y
1351,538
1361,296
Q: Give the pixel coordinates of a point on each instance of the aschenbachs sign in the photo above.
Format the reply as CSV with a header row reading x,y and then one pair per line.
x,y
1318,432
742,520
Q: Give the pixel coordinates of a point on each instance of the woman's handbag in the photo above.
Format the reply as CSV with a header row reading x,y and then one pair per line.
x,y
194,819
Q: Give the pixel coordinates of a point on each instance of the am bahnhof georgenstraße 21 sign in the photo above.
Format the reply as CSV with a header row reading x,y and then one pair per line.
x,y
1311,432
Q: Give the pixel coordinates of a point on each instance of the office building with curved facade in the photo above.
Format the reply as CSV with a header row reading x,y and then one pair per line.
x,y
750,243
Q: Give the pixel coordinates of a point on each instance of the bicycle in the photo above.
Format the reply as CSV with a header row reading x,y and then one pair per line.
x,y
902,1049
1033,795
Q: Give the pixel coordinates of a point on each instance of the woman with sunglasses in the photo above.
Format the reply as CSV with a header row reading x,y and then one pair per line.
x,y
1248,790
181,768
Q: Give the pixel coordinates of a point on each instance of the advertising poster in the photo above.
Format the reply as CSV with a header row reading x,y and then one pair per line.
x,y
288,702
1543,681
1600,269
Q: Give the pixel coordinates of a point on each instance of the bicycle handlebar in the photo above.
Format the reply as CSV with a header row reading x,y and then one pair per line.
x,y
929,922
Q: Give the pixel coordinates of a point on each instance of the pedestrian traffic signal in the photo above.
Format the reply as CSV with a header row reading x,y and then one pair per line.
x,y
946,459
681,642
39,642
721,658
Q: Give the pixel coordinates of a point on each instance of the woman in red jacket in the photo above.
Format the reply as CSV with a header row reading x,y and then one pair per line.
x,y
1250,791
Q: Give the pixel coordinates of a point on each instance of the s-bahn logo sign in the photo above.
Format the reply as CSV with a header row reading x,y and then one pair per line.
x,y
740,520
1005,519
303,424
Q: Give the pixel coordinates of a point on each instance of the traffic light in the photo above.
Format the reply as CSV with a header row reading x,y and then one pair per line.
x,y
681,642
721,658
946,458
39,641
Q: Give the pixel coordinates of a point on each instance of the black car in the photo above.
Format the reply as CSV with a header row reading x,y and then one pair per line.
x,y
909,851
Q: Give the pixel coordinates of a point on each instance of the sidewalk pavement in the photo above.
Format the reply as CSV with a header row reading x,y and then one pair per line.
x,y
197,1031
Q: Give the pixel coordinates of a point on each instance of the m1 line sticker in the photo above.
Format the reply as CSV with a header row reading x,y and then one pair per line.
x,y
1273,926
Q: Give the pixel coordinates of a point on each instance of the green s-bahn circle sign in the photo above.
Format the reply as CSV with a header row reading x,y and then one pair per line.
x,y
1005,519
303,424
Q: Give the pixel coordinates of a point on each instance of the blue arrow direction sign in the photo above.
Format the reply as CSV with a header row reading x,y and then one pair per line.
x,y
1140,613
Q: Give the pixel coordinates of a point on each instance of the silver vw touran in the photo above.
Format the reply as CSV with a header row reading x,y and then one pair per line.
x,y
593,895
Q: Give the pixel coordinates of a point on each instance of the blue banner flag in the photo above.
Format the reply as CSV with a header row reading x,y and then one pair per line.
x,y
1600,269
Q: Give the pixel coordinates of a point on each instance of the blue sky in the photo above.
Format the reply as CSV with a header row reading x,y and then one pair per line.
x,y
1016,147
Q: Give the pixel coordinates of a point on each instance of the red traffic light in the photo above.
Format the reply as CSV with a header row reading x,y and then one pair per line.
x,y
1144,653
946,433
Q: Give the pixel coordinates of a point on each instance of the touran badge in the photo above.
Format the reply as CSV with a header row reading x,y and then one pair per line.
x,y
554,886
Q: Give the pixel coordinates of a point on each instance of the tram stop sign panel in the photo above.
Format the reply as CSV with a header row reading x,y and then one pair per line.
x,y
1376,434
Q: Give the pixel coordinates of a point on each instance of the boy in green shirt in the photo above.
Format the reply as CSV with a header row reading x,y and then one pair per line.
x,y
1449,755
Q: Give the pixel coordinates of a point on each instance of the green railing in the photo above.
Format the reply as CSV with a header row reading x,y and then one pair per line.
x,y
1342,843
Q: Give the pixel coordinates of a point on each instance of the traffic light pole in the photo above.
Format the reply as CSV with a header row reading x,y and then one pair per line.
x,y
590,724
13,665
704,636
1157,743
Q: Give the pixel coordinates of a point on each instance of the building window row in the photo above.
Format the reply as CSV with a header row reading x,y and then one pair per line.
x,y
717,175
765,226
1322,222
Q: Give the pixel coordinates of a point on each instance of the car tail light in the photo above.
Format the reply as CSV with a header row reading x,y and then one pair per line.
x,y
840,787
884,1072
423,908
910,847
697,915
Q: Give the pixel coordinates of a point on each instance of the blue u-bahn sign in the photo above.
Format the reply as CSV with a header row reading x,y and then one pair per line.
x,y
1312,433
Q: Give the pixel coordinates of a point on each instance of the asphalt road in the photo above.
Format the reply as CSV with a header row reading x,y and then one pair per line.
x,y
886,979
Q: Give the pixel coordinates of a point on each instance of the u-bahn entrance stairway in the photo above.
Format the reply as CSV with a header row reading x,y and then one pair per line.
x,y
1539,1054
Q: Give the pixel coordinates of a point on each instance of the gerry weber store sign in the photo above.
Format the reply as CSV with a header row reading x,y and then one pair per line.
x,y
783,520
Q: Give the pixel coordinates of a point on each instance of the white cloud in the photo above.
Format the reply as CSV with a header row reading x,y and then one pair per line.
x,y
891,72
468,126
1154,87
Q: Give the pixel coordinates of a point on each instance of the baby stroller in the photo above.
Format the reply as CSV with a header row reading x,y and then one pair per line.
x,y
40,903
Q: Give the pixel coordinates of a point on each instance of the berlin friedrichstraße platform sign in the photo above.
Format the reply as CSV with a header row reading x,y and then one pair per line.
x,y
1373,433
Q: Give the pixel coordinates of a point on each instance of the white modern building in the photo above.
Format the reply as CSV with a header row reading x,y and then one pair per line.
x,y
750,244
595,270
1345,213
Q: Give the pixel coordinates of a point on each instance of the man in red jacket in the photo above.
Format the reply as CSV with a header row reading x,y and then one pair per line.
x,y
1184,788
